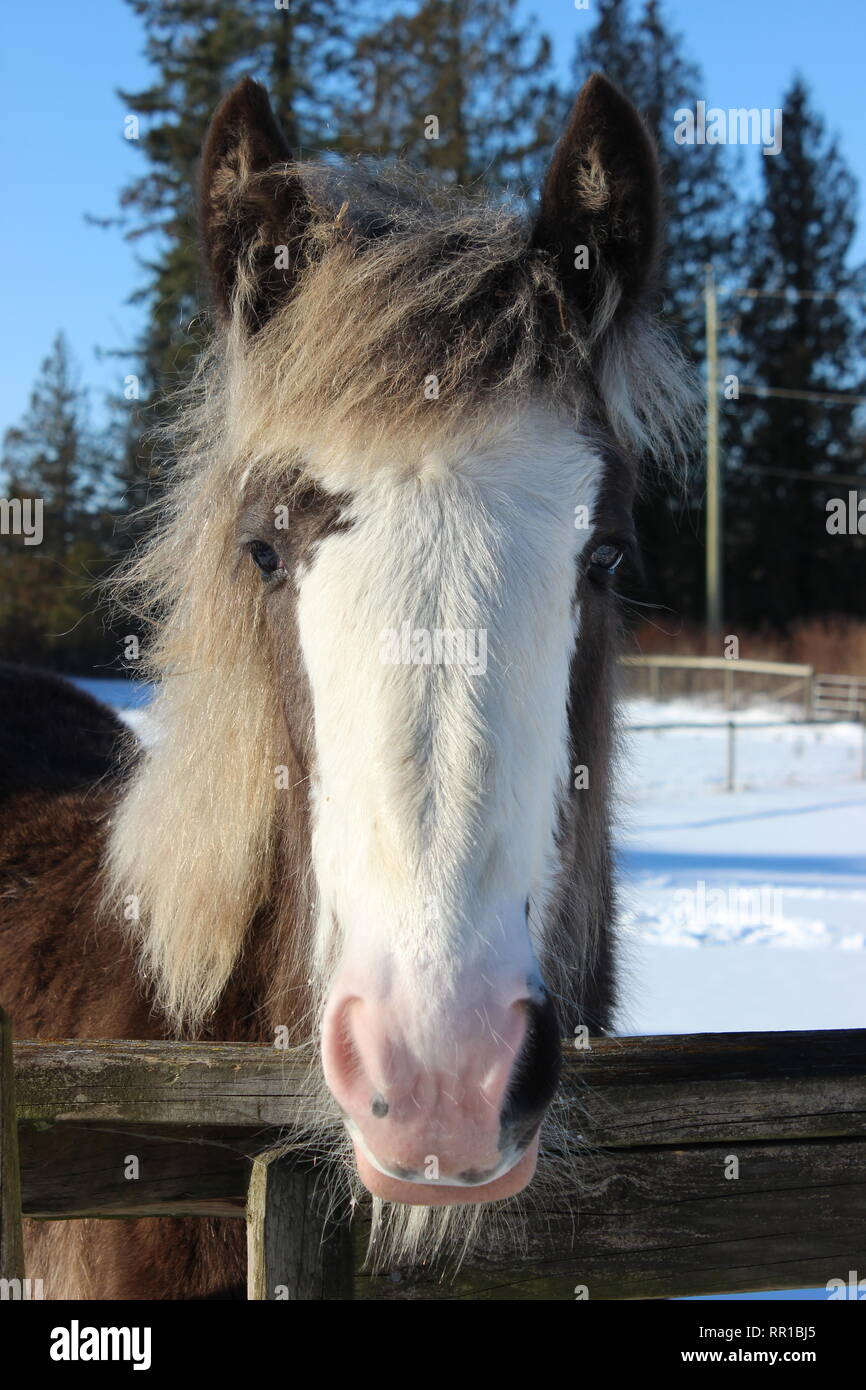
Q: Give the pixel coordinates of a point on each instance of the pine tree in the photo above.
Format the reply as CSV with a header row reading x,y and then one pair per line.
x,y
199,48
457,87
55,457
54,453
638,51
785,565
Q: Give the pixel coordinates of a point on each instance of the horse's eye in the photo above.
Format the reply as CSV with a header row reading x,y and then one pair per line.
x,y
266,558
607,558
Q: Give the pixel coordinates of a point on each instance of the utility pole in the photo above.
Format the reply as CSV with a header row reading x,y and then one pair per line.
x,y
714,485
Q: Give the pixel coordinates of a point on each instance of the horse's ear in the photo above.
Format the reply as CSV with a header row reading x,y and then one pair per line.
x,y
600,210
251,209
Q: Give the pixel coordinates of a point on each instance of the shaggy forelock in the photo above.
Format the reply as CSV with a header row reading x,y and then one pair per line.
x,y
421,311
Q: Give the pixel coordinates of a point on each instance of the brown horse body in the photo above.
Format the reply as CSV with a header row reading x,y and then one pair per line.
x,y
65,973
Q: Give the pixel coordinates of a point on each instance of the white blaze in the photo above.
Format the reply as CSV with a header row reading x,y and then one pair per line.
x,y
438,776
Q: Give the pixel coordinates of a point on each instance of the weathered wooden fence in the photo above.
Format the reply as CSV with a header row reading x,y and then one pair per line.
x,y
839,697
795,682
712,1163
821,697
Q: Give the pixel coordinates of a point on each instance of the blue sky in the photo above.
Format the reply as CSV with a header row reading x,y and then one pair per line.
x,y
64,154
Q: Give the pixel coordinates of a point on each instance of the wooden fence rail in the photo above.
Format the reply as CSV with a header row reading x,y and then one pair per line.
x,y
708,1163
820,696
798,684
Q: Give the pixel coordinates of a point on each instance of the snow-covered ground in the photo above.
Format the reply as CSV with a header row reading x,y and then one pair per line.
x,y
744,909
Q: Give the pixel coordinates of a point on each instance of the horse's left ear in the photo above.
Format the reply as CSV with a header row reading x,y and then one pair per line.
x,y
252,210
600,211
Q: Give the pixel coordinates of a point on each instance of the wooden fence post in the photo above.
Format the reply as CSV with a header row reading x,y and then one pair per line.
x,y
11,1241
731,773
294,1250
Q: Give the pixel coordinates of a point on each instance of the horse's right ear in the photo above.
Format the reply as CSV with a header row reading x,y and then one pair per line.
x,y
599,217
252,211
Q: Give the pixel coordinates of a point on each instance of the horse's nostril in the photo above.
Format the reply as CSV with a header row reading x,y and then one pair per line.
x,y
535,1077
475,1177
404,1174
379,1107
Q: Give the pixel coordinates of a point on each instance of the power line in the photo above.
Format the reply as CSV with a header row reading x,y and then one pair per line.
x,y
831,398
791,295
748,292
842,479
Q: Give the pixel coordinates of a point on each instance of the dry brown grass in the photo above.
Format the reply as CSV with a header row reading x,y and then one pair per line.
x,y
834,646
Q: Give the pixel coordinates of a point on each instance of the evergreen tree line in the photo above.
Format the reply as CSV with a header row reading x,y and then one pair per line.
x,y
346,80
